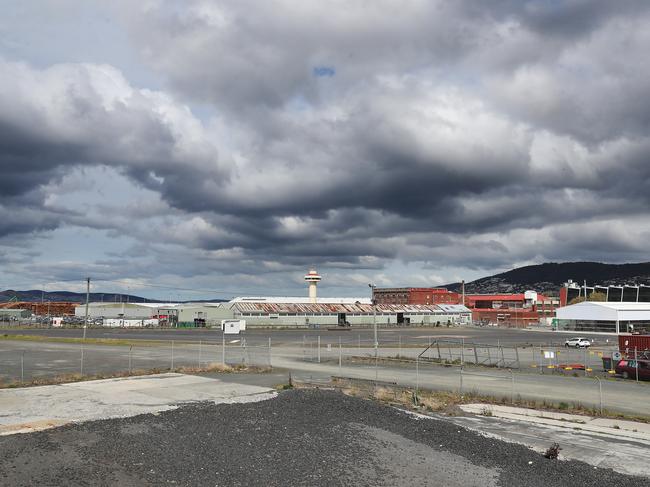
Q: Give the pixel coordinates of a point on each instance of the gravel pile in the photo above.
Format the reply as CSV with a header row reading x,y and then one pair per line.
x,y
302,437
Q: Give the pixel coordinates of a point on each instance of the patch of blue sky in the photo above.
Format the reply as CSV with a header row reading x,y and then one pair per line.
x,y
324,71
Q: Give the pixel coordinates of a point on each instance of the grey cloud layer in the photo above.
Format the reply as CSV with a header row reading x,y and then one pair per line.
x,y
469,133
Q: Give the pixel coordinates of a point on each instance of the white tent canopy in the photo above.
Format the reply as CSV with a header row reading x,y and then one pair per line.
x,y
605,311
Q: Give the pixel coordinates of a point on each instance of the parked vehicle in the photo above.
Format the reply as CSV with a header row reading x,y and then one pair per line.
x,y
577,342
628,369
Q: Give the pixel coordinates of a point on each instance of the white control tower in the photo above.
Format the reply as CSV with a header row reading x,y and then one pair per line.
x,y
312,278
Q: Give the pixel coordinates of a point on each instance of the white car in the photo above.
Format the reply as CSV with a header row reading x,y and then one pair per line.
x,y
577,342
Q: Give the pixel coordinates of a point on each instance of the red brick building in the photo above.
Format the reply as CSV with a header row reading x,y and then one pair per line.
x,y
415,295
518,310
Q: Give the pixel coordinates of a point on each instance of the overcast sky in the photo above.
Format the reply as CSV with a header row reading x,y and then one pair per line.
x,y
227,146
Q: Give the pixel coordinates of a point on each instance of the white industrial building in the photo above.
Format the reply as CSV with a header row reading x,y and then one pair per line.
x,y
309,311
292,314
125,310
168,314
611,317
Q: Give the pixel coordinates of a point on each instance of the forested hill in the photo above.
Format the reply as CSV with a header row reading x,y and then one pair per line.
x,y
549,277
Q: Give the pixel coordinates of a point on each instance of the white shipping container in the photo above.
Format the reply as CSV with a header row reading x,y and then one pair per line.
x,y
233,327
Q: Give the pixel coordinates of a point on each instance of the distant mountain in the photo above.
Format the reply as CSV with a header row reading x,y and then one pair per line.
x,y
36,296
548,278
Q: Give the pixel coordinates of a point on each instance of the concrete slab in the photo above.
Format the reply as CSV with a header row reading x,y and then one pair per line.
x,y
36,408
613,427
602,443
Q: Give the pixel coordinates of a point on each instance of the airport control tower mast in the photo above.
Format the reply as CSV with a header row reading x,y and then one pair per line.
x,y
312,278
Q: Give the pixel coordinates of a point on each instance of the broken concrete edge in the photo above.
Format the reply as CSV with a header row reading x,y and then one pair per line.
x,y
40,421
75,377
394,394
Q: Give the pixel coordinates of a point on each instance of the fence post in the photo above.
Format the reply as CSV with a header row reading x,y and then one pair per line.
x,y
600,393
512,391
200,350
475,355
223,350
461,381
22,367
517,357
81,371
585,361
359,342
130,349
269,351
636,363
399,350
172,364
318,351
462,352
340,355
417,374
503,359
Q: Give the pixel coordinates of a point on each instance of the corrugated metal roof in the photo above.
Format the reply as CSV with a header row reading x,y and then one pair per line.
x,y
454,308
333,308
297,300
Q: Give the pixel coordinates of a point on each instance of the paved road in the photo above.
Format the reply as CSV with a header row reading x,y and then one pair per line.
x,y
625,396
34,359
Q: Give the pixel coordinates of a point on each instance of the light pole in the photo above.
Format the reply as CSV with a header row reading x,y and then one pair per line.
x,y
374,326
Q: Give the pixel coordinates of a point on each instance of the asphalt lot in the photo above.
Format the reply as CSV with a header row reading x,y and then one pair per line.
x,y
488,335
300,438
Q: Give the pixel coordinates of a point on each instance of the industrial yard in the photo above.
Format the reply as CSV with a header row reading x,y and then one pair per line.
x,y
301,437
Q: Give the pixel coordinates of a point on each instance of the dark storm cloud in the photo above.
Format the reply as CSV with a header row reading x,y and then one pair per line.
x,y
468,133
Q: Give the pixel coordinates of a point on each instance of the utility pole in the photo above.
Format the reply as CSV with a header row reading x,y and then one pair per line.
x,y
374,314
87,299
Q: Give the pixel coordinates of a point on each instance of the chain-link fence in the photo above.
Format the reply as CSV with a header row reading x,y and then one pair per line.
x,y
564,377
43,360
544,359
